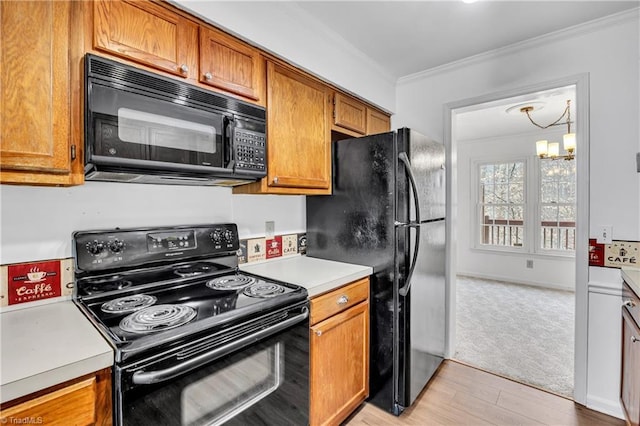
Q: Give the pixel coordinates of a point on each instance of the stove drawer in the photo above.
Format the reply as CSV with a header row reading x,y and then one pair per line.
x,y
338,300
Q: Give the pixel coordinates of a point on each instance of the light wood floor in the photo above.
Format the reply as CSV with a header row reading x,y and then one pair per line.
x,y
463,395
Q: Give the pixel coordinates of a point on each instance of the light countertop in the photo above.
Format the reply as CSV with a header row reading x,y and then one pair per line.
x,y
632,277
316,275
46,345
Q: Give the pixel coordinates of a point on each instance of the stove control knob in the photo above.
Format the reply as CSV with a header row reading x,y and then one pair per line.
x,y
216,236
116,246
95,247
228,236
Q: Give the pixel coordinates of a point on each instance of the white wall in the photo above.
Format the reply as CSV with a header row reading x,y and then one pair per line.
x,y
290,32
547,271
37,222
609,51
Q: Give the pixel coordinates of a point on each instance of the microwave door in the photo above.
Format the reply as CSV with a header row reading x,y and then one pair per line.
x,y
128,125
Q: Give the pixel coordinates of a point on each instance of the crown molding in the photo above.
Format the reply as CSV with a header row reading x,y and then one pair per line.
x,y
338,41
555,36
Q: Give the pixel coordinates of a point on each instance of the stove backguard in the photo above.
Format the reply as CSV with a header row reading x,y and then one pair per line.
x,y
100,252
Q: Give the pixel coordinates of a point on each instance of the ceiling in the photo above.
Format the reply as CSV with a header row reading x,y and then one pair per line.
x,y
407,37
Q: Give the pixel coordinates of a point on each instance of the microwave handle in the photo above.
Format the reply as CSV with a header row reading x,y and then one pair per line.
x,y
227,143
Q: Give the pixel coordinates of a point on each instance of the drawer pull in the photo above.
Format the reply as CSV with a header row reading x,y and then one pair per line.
x,y
634,339
629,303
343,300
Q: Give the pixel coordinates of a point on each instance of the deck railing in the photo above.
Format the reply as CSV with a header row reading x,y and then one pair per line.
x,y
510,233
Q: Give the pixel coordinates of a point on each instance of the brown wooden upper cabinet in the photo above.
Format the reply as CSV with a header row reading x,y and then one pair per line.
x,y
39,120
377,122
228,64
349,114
147,33
354,118
299,147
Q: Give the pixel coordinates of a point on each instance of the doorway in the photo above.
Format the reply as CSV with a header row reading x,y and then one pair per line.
x,y
527,261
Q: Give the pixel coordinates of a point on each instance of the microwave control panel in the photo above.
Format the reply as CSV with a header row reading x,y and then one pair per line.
x,y
249,149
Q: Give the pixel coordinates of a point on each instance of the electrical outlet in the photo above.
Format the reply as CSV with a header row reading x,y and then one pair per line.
x,y
605,234
269,229
529,263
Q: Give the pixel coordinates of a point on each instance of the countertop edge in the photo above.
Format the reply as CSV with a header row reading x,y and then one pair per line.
x,y
64,373
632,278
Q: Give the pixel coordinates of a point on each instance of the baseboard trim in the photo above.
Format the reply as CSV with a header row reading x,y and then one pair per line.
x,y
606,406
515,281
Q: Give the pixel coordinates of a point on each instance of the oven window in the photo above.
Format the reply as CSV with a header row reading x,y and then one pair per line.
x,y
246,382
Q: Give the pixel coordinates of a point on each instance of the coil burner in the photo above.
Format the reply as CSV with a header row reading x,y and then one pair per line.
x,y
128,304
231,282
193,269
104,284
157,318
263,289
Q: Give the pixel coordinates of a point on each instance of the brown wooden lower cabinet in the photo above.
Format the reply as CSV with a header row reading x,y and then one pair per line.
x,y
82,401
339,361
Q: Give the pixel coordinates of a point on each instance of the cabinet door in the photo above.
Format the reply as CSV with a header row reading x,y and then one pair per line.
x,y
339,365
299,148
35,87
630,387
350,114
228,64
146,33
377,122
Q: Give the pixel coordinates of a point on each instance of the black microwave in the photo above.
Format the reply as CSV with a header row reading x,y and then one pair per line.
x,y
141,127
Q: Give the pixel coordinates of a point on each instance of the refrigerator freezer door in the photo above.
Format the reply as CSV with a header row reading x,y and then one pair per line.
x,y
427,161
422,326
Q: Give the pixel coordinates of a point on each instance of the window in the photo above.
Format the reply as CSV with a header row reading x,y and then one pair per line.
x,y
502,204
557,205
526,205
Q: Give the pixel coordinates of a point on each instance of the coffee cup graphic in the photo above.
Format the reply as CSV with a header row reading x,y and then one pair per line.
x,y
36,275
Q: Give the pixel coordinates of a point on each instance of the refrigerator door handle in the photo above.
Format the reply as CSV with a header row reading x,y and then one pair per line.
x,y
407,167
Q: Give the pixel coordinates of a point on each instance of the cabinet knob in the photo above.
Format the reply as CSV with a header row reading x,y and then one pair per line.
x,y
318,333
208,76
184,68
275,179
634,339
342,300
629,303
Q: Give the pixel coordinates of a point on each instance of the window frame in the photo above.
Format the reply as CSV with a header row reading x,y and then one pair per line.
x,y
532,213
477,216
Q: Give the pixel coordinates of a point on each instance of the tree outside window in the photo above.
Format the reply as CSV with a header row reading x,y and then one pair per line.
x,y
540,220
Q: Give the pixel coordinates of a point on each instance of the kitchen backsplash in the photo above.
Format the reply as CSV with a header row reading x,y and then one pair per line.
x,y
31,283
264,248
23,285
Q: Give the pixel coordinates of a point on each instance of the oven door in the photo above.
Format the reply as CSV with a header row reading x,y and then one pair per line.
x,y
126,126
264,379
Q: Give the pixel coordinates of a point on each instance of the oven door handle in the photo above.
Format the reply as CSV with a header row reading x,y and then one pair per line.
x,y
151,377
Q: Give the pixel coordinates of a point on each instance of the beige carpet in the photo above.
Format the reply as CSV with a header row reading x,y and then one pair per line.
x,y
517,331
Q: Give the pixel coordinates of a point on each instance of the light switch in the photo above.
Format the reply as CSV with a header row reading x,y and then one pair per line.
x,y
605,234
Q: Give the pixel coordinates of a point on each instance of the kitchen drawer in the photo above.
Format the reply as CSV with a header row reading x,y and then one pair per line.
x,y
72,404
631,302
338,300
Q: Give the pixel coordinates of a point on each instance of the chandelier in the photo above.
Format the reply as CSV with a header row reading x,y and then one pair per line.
x,y
551,150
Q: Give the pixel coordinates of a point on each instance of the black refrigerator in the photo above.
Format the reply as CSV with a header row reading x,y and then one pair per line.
x,y
387,211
